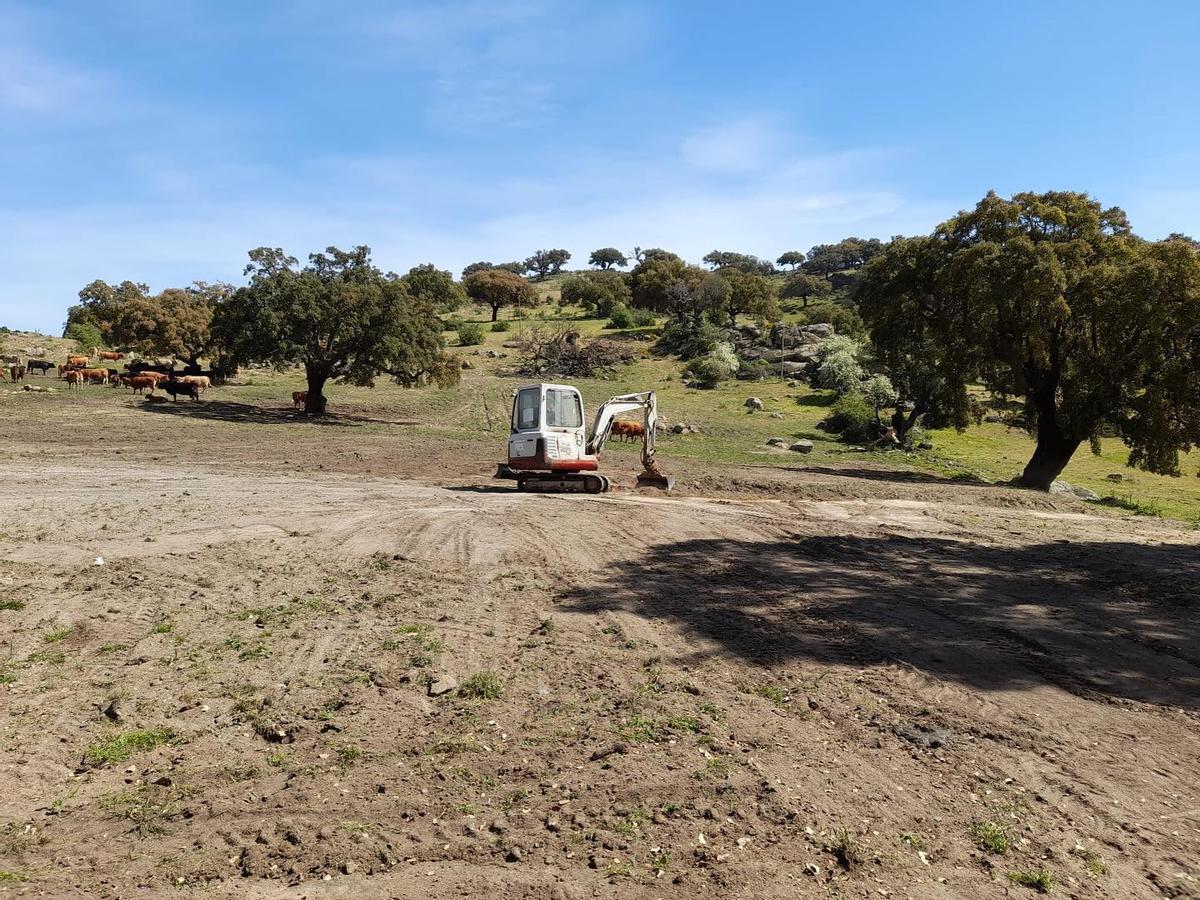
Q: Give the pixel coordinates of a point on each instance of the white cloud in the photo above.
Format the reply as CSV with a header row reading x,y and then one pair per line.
x,y
739,146
201,220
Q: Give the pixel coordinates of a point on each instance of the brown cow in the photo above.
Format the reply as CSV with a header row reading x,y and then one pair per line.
x,y
200,381
108,354
94,376
18,373
73,379
77,361
299,399
628,430
139,383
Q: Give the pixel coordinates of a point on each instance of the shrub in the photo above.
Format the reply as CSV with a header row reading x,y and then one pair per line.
x,y
840,372
624,317
597,292
501,325
714,367
844,319
470,334
85,335
451,323
851,417
687,339
879,392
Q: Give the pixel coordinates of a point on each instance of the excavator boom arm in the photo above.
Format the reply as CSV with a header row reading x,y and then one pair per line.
x,y
614,406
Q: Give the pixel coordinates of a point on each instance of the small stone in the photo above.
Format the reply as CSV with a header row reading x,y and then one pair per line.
x,y
1115,476
514,854
349,867
802,447
812,869
753,403
775,442
776,415
443,685
112,712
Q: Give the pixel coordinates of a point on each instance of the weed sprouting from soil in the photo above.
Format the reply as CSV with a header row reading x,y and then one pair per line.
x,y
1038,879
482,686
991,837
120,747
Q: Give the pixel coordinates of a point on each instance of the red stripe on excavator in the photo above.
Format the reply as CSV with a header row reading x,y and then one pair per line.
x,y
574,465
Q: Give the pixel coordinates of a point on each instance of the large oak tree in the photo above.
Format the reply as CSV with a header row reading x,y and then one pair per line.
x,y
338,316
1048,298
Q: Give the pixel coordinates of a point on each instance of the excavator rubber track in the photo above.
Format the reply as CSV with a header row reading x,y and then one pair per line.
x,y
562,483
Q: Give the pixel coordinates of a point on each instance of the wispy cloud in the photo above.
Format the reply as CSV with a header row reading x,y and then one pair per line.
x,y
507,64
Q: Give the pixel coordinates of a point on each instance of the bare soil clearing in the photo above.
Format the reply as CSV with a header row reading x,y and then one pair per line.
x,y
775,683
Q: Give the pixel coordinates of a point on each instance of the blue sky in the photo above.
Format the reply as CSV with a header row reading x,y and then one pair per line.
x,y
159,141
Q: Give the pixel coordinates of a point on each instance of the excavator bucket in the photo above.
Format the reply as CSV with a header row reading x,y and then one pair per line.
x,y
653,477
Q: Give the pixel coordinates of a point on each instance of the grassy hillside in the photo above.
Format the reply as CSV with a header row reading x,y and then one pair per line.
x,y
477,410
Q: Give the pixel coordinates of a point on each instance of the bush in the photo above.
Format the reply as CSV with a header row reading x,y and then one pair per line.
x,y
624,317
853,418
844,319
687,340
470,334
879,392
840,372
453,323
85,335
501,325
711,369
597,292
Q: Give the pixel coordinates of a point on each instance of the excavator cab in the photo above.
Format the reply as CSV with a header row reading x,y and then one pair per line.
x,y
550,449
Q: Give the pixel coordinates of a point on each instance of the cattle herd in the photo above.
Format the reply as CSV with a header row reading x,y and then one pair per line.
x,y
78,370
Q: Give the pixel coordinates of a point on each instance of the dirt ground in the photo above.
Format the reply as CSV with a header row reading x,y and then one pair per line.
x,y
819,682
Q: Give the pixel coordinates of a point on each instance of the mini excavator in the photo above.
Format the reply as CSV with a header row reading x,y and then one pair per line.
x,y
550,450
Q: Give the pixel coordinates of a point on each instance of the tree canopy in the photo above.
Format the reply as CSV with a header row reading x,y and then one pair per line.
x,y
436,287
597,292
176,322
803,286
607,258
749,294
1051,299
848,253
545,263
338,316
499,288
792,259
728,259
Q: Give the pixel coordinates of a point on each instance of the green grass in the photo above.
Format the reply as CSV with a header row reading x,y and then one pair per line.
x,y
482,686
1038,879
991,837
476,411
12,604
58,634
9,877
119,747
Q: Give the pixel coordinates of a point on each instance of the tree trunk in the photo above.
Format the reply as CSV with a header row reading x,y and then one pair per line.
x,y
314,404
1054,450
495,311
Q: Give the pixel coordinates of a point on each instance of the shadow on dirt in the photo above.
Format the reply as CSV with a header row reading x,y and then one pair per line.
x,y
244,413
1097,619
900,476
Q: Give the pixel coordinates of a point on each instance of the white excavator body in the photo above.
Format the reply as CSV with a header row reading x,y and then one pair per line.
x,y
550,448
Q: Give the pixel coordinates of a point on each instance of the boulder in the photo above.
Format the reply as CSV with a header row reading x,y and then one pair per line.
x,y
820,330
443,685
802,447
794,368
753,403
775,442
1115,476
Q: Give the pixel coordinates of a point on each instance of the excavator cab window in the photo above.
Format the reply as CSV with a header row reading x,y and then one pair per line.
x,y
526,410
563,409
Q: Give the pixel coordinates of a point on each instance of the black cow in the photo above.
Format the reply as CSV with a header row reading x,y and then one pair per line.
x,y
175,388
